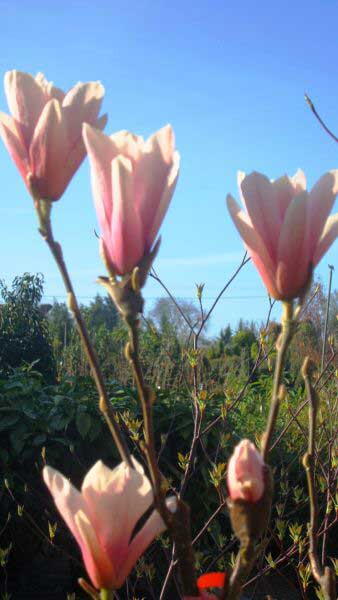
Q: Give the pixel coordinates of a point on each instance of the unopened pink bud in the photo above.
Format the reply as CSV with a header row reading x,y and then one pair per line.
x,y
245,473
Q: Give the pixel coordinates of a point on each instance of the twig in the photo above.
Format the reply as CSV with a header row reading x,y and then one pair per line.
x,y
324,576
154,275
300,408
311,105
43,209
244,562
245,260
282,346
177,522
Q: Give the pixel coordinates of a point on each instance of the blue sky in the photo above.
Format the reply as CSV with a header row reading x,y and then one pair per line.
x,y
230,77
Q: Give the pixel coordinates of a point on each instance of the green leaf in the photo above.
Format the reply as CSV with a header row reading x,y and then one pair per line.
x,y
7,422
83,423
39,439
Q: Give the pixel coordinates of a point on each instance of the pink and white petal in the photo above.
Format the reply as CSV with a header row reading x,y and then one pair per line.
x,y
115,501
155,220
73,157
26,100
55,92
100,565
254,245
329,235
285,191
77,151
49,88
101,152
321,200
153,527
263,209
101,122
67,498
47,152
240,177
253,241
164,140
100,147
128,144
293,249
14,144
82,105
299,181
126,226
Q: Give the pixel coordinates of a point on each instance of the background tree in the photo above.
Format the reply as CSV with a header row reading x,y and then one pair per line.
x,y
167,318
24,336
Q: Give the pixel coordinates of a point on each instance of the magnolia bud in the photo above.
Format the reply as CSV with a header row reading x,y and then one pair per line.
x,y
245,473
250,492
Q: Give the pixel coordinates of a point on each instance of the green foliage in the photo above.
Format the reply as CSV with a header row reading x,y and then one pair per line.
x,y
23,333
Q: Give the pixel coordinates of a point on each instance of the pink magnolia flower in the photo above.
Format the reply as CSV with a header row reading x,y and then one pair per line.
x,y
286,229
102,518
133,181
44,133
245,473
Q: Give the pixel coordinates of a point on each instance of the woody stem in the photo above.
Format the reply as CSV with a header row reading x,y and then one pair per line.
x,y
177,522
43,209
282,346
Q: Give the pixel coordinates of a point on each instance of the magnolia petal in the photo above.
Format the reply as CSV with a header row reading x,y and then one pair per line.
x,y
151,173
26,100
263,210
151,177
254,245
115,501
101,152
164,140
329,235
321,200
77,151
240,177
47,152
66,497
286,189
299,181
101,122
128,144
14,144
153,527
100,569
82,104
49,89
163,202
245,473
126,226
293,250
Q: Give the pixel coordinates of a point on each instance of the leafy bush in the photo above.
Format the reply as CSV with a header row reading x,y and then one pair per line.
x,y
23,331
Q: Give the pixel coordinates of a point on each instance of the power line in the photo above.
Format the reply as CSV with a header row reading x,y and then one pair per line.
x,y
176,297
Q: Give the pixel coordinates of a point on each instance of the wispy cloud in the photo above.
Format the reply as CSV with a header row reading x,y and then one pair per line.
x,y
198,261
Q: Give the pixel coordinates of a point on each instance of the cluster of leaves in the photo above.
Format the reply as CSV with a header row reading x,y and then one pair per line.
x,y
56,420
23,332
60,424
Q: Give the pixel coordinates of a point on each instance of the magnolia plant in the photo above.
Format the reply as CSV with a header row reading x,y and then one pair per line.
x,y
286,231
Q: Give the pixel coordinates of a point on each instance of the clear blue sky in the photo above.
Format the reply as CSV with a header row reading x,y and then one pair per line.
x,y
230,78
